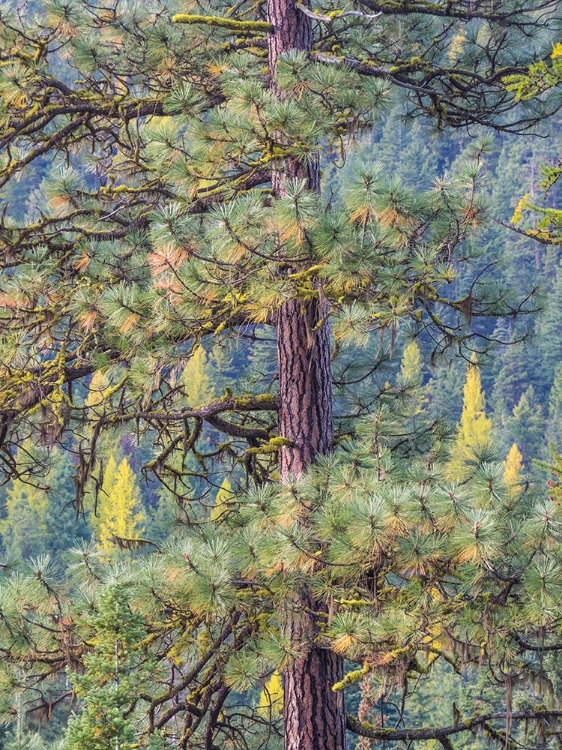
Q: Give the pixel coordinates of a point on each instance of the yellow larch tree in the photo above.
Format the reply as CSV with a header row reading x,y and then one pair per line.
x,y
271,697
223,500
196,381
474,431
411,375
513,472
98,384
119,511
103,385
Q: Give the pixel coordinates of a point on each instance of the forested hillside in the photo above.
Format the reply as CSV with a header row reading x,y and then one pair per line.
x,y
280,375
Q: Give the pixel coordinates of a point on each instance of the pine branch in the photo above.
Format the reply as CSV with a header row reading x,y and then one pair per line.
x,y
331,17
462,10
236,430
365,729
247,27
263,402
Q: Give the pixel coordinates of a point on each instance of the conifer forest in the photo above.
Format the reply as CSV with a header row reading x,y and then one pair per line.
x,y
280,374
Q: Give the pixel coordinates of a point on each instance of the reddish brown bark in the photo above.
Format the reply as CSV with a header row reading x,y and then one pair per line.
x,y
305,384
313,713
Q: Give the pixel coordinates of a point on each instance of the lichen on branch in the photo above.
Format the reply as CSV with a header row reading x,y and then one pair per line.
x,y
226,23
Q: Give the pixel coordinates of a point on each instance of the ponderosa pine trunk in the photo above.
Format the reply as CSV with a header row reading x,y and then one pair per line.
x,y
314,715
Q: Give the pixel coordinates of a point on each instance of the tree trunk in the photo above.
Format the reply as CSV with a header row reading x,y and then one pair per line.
x,y
305,384
314,715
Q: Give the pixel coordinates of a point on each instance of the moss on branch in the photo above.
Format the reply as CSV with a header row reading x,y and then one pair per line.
x,y
226,23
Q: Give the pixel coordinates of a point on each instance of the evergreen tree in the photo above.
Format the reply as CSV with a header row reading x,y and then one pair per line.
x,y
185,202
110,682
526,425
513,378
549,343
443,390
554,423
24,529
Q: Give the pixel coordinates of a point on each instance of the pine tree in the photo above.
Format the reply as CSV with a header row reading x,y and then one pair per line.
x,y
184,202
474,432
526,425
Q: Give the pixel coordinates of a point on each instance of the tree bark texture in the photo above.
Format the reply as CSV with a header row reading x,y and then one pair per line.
x,y
314,714
305,384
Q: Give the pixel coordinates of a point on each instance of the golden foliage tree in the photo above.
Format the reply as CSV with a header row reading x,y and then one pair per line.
x,y
411,375
196,381
475,428
513,468
271,697
119,511
98,385
222,501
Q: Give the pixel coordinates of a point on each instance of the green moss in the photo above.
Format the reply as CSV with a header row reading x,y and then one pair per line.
x,y
225,23
351,678
279,441
272,446
265,400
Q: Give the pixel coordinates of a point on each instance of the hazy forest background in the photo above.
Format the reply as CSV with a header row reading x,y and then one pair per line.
x,y
497,400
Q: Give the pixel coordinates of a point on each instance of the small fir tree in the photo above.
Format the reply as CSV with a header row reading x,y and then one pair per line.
x,y
110,683
526,426
554,420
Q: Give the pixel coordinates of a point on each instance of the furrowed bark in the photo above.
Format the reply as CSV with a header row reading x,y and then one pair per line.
x,y
305,385
313,713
